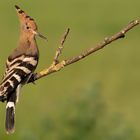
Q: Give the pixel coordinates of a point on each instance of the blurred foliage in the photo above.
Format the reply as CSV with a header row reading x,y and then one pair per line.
x,y
84,118
96,98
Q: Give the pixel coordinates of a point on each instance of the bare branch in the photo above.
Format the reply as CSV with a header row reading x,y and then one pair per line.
x,y
58,66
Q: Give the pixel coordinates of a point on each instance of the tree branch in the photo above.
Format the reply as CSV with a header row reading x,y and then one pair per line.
x,y
56,65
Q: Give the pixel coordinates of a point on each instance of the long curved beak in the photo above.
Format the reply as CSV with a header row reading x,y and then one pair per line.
x,y
40,35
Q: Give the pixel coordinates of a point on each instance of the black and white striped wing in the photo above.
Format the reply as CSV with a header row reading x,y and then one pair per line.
x,y
18,71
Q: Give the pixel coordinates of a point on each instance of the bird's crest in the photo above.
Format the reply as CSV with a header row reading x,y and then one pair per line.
x,y
25,18
28,22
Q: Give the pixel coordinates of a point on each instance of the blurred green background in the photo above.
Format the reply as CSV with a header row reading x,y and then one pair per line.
x,y
97,98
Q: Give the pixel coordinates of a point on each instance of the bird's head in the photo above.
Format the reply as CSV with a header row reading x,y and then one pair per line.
x,y
28,25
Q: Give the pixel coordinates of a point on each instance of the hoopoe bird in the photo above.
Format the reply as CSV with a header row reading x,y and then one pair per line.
x,y
20,66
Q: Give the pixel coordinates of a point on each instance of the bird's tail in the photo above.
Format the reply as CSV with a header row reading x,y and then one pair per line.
x,y
10,114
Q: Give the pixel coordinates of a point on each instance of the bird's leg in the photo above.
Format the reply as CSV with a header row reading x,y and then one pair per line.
x,y
32,78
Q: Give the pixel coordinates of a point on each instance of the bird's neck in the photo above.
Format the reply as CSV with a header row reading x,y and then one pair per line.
x,y
27,38
27,44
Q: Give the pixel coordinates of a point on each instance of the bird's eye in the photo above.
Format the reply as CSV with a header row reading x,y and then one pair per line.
x,y
27,27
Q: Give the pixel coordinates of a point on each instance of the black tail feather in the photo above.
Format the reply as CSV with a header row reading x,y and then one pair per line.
x,y
10,114
10,118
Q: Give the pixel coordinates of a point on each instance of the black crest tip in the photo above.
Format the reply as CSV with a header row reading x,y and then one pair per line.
x,y
19,10
17,7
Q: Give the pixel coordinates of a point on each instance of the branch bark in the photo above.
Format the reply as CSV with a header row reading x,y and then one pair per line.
x,y
56,65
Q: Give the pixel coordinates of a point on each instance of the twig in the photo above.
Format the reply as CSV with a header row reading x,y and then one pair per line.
x,y
60,48
58,66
